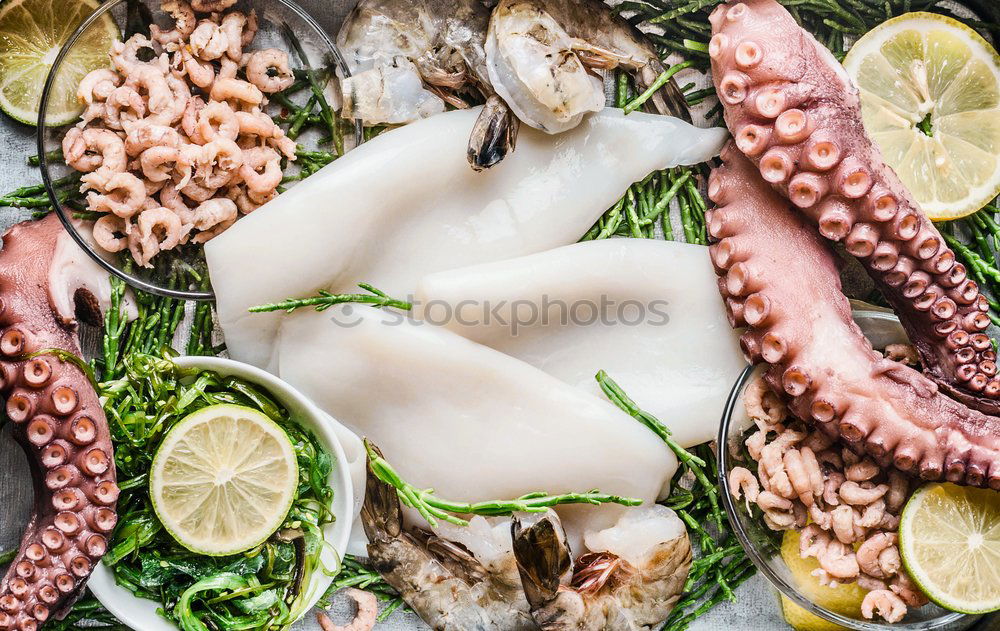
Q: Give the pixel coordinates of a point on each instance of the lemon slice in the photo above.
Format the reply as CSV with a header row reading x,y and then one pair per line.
x,y
223,479
930,99
843,599
949,537
31,34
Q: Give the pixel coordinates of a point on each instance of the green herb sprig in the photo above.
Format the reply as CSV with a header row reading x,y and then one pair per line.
x,y
433,508
325,299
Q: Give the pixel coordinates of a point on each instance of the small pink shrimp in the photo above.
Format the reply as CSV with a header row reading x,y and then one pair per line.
x,y
111,233
145,135
870,553
153,81
261,169
839,560
843,523
236,90
862,471
743,481
124,195
762,404
92,148
180,95
208,42
250,30
364,619
213,212
221,161
261,198
200,73
799,476
907,590
159,230
269,70
184,22
228,69
218,120
259,124
872,514
870,583
125,55
189,123
813,540
97,86
158,163
888,605
124,107
196,192
233,25
858,495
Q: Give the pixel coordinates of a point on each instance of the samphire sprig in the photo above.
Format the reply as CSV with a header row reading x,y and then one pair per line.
x,y
325,299
353,573
433,508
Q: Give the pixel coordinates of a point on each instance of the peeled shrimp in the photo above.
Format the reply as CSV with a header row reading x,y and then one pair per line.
x,y
111,233
233,25
887,604
92,148
218,120
548,194
236,90
190,119
184,22
261,125
180,95
269,70
200,73
364,620
541,53
213,212
154,82
628,589
446,584
125,107
870,552
125,55
144,135
208,42
211,6
261,169
97,86
124,195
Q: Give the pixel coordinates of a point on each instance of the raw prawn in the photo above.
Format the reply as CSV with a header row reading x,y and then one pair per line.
x,y
444,583
269,70
408,58
630,581
540,54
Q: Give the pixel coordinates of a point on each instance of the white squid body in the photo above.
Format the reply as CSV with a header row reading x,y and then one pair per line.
x,y
646,311
407,204
466,420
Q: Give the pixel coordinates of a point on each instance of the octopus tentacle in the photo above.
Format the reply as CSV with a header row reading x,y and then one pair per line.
x,y
795,113
57,419
799,324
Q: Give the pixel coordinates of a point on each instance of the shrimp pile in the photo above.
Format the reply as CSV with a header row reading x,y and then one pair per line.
x,y
174,139
845,506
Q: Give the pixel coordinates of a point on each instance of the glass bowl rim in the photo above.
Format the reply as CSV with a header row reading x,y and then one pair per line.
x,y
761,563
42,129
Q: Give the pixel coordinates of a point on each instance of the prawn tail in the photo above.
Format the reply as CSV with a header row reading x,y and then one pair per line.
x,y
543,558
669,99
493,136
381,515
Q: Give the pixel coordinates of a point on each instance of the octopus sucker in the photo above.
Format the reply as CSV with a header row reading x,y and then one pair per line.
x,y
795,113
872,404
57,419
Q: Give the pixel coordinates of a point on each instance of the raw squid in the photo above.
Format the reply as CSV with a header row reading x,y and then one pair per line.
x,y
406,205
646,311
466,420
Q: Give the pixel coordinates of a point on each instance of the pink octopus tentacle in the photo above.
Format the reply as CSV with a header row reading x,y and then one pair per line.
x,y
794,112
59,422
799,324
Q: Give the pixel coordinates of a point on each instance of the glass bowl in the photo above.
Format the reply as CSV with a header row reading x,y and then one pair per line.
x,y
763,545
277,18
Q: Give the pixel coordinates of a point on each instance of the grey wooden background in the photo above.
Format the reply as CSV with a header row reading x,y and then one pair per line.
x,y
756,609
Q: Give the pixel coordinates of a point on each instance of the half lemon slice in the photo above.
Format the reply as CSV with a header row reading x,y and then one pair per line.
x,y
949,537
223,479
930,99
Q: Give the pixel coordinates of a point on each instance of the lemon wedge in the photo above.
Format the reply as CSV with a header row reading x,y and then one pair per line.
x,y
949,537
31,34
223,479
930,99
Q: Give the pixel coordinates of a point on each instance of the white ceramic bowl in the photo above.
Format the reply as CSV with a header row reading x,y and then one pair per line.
x,y
139,613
